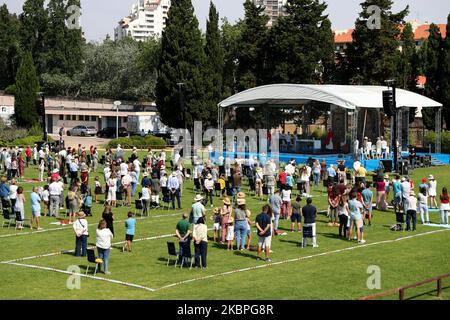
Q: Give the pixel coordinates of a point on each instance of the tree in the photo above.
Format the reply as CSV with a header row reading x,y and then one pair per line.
x,y
251,47
26,89
407,66
74,43
300,48
373,55
9,47
445,83
214,62
182,60
56,61
33,26
432,65
231,35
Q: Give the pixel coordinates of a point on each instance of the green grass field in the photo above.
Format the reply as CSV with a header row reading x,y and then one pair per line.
x,y
337,269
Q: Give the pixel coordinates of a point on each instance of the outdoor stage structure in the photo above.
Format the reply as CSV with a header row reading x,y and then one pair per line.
x,y
355,112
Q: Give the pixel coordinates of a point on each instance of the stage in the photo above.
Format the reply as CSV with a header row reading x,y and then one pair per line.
x,y
369,164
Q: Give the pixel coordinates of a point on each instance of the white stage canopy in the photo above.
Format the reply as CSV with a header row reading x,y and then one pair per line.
x,y
345,96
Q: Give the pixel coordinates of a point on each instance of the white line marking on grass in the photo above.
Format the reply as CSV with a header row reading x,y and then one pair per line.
x,y
298,259
70,226
82,275
91,247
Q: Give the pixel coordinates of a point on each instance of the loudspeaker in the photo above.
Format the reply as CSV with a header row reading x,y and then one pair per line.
x,y
403,166
387,164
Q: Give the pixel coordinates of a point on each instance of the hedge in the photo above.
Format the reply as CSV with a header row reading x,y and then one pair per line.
x,y
430,138
23,142
138,142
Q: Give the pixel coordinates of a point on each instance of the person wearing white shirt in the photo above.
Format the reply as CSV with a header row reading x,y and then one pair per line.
x,y
137,167
286,197
411,214
123,169
126,184
54,190
80,226
173,187
405,187
176,158
290,169
209,188
112,187
103,243
383,148
13,193
145,199
378,148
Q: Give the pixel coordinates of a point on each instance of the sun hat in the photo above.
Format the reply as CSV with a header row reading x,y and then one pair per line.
x,y
430,177
174,174
216,210
386,176
209,176
241,195
198,197
81,214
227,201
145,174
403,179
55,171
240,201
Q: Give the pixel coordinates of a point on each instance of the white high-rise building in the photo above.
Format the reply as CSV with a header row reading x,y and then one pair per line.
x,y
273,9
146,20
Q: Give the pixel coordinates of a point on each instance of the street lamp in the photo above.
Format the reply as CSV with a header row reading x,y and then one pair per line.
x,y
41,106
117,104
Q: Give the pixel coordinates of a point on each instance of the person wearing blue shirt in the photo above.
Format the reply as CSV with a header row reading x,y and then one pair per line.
x,y
4,201
331,172
367,196
35,200
356,218
130,226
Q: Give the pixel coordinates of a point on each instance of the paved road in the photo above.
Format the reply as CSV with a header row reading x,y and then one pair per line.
x,y
85,141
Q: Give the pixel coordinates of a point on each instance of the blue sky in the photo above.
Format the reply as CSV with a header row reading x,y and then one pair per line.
x,y
101,16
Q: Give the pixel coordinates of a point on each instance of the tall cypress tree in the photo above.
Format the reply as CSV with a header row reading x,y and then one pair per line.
x,y
9,47
445,84
406,66
26,88
251,47
214,62
373,55
301,45
55,37
182,60
432,54
74,43
33,27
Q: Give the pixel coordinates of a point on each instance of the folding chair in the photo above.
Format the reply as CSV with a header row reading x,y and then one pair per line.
x,y
7,220
138,206
187,255
92,259
172,251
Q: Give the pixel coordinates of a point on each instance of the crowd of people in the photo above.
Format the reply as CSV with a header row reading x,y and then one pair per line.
x,y
64,179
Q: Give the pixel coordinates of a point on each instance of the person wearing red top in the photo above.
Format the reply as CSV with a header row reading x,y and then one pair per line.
x,y
381,195
28,153
445,206
282,178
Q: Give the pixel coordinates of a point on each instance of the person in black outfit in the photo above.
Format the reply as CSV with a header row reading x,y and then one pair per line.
x,y
309,213
108,216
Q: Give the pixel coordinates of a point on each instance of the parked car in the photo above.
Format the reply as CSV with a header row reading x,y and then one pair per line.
x,y
110,132
82,131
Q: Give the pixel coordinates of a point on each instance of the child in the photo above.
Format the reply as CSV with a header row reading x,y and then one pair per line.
x,y
423,205
87,202
230,233
296,214
41,169
249,229
130,225
46,199
343,213
19,208
445,207
221,182
216,217
98,188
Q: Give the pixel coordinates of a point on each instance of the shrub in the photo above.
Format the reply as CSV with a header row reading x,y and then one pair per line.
x,y
430,138
138,142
